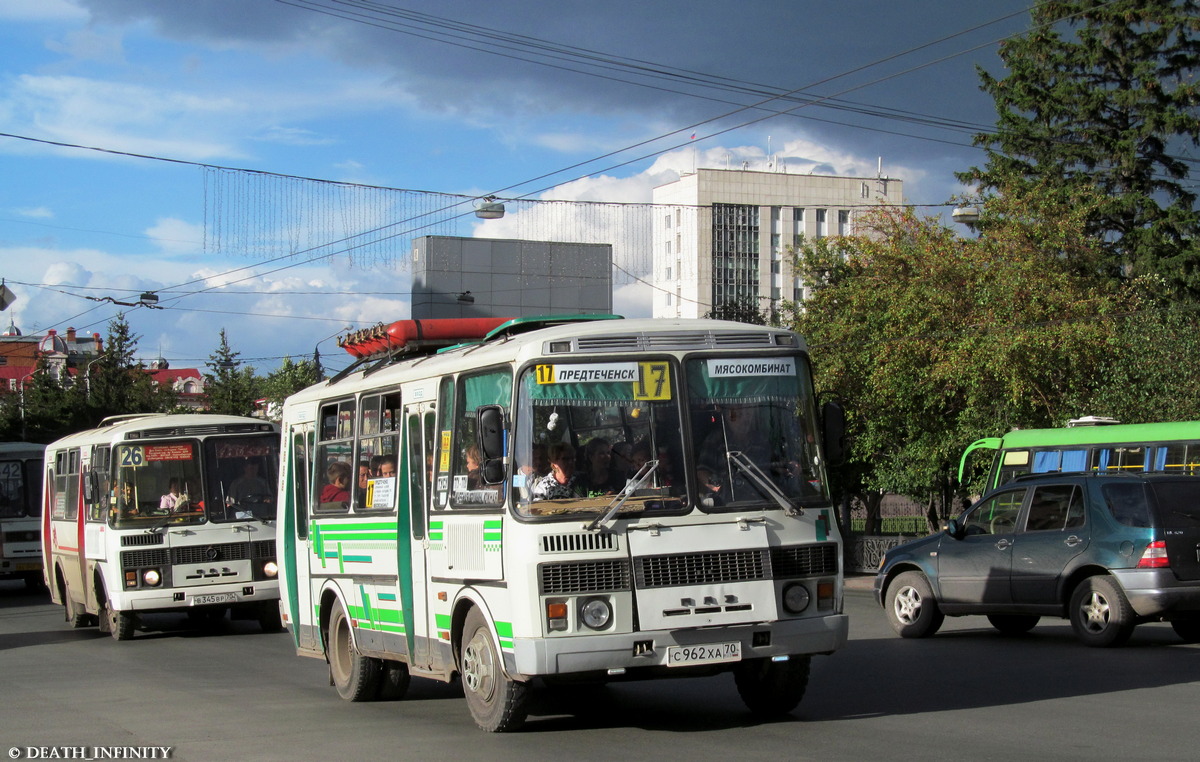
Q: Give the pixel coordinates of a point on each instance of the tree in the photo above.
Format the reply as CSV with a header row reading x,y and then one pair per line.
x,y
289,379
116,383
39,411
931,340
742,311
1110,103
231,389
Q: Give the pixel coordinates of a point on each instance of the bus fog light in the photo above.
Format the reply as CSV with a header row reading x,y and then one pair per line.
x,y
596,613
795,598
271,569
151,577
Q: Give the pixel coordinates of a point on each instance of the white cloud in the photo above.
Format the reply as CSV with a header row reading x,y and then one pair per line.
x,y
89,45
41,10
35,212
175,237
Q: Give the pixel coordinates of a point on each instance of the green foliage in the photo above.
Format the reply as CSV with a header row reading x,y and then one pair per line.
x,y
116,383
1108,98
931,340
742,311
231,389
289,379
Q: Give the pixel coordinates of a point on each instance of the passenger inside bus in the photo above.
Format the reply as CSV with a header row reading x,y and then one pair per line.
x,y
250,487
337,488
563,481
176,500
127,501
599,477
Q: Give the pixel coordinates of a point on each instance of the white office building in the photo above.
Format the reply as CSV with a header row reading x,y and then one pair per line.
x,y
723,236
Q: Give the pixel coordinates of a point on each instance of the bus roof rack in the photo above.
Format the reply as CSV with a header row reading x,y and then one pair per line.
x,y
536,322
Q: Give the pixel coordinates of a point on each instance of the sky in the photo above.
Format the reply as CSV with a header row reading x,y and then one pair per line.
x,y
262,165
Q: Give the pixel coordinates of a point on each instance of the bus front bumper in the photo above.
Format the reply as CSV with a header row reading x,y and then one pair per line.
x,y
616,653
231,594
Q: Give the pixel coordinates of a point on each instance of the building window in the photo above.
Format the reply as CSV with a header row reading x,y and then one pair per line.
x,y
668,248
735,235
865,190
821,215
668,273
668,220
843,222
669,295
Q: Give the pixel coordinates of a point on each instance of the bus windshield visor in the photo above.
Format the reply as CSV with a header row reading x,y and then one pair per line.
x,y
753,432
590,436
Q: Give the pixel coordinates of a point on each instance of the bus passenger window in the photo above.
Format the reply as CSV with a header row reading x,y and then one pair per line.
x,y
335,451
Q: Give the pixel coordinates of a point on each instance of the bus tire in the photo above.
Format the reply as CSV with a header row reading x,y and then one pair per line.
x,y
498,704
75,613
1100,613
393,681
121,624
268,616
355,676
772,688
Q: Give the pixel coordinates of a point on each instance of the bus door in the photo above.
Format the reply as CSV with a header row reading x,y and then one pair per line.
x,y
95,500
414,587
297,543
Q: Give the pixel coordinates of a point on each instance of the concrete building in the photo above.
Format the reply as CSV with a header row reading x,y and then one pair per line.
x,y
722,236
485,277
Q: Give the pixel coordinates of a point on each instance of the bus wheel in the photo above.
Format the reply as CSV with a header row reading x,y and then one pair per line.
x,y
772,688
355,676
393,681
268,617
497,703
121,624
76,614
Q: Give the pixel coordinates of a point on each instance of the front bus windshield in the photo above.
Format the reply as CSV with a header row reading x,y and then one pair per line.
x,y
20,488
752,423
161,483
586,433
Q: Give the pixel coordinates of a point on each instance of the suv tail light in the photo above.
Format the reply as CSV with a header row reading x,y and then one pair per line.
x,y
1155,556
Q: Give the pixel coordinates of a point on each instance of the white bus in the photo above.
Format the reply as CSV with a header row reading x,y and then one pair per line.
x,y
20,519
154,513
568,499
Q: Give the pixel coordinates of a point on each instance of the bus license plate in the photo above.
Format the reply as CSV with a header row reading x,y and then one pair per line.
x,y
710,653
204,600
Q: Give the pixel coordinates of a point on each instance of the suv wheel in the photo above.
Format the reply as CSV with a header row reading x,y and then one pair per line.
x,y
1100,613
911,608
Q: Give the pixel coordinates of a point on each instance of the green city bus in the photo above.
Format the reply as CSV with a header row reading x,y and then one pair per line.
x,y
1091,445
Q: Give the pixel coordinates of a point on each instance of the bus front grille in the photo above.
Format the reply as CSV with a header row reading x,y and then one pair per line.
x,y
702,568
204,554
804,560
584,577
140,559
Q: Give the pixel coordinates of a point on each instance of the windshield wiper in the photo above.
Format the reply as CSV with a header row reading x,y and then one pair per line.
x,y
633,485
762,482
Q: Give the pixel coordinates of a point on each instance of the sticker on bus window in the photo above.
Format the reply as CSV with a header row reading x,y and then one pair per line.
x,y
649,380
751,366
177,451
444,461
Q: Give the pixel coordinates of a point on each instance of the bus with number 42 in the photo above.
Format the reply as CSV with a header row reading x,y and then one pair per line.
x,y
573,499
20,517
163,513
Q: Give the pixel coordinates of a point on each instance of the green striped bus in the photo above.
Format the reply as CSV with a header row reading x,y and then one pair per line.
x,y
1091,445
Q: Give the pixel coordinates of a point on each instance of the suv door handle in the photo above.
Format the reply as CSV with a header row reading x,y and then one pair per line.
x,y
1072,541
1004,544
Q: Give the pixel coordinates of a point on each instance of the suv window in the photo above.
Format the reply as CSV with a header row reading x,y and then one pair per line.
x,y
1178,503
1055,507
996,515
1127,503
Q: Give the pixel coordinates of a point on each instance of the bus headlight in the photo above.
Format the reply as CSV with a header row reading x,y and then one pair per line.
x,y
151,577
595,613
271,569
795,598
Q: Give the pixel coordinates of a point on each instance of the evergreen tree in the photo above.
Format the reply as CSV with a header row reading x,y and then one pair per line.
x,y
1105,93
231,388
117,383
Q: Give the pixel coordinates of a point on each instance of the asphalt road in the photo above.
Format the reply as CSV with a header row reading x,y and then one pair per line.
x,y
233,693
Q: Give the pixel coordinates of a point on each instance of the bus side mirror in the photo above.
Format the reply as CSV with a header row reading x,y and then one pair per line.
x,y
490,425
833,432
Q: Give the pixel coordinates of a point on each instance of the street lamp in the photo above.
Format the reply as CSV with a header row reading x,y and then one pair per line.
x,y
87,373
21,384
966,215
489,209
317,352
